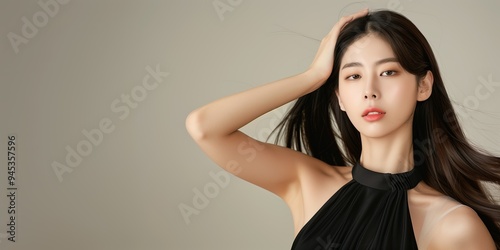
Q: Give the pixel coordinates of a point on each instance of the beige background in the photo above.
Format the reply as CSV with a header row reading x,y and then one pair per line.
x,y
125,194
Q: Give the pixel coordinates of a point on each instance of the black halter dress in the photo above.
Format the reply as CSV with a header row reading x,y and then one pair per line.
x,y
369,212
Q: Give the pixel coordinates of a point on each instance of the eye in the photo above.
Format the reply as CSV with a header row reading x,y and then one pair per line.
x,y
353,77
388,73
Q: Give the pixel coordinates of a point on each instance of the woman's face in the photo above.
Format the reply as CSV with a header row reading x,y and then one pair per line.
x,y
377,94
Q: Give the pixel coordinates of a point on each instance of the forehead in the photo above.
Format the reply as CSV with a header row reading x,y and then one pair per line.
x,y
367,50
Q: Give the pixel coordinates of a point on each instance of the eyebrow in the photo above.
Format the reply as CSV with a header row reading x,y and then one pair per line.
x,y
358,64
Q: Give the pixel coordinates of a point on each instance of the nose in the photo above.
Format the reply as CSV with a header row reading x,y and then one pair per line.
x,y
371,89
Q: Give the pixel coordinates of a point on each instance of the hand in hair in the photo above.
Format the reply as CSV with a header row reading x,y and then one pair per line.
x,y
215,126
322,64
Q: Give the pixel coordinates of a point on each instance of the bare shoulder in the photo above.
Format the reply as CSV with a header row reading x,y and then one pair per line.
x,y
318,181
461,228
440,222
314,171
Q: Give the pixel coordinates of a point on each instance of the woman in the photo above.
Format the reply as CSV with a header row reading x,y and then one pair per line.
x,y
374,157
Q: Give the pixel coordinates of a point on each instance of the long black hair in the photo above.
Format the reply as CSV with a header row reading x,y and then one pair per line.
x,y
316,125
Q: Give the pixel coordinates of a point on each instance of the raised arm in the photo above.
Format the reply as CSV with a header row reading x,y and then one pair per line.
x,y
215,126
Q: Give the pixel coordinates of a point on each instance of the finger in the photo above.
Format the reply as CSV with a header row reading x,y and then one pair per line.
x,y
360,13
356,15
346,19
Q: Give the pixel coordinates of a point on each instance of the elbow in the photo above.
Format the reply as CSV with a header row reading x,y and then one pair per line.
x,y
194,125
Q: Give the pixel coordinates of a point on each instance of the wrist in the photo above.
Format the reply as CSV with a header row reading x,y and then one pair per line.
x,y
315,78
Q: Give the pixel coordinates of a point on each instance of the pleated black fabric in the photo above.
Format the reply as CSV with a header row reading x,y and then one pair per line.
x,y
369,212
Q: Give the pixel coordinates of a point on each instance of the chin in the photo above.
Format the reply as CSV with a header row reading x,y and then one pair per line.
x,y
372,130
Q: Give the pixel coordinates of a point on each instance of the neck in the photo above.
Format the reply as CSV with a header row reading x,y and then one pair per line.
x,y
388,154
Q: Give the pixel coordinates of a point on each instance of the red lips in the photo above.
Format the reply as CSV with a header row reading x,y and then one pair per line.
x,y
373,114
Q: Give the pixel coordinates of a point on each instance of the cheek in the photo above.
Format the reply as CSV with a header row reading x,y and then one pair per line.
x,y
405,91
350,90
347,96
351,101
402,98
